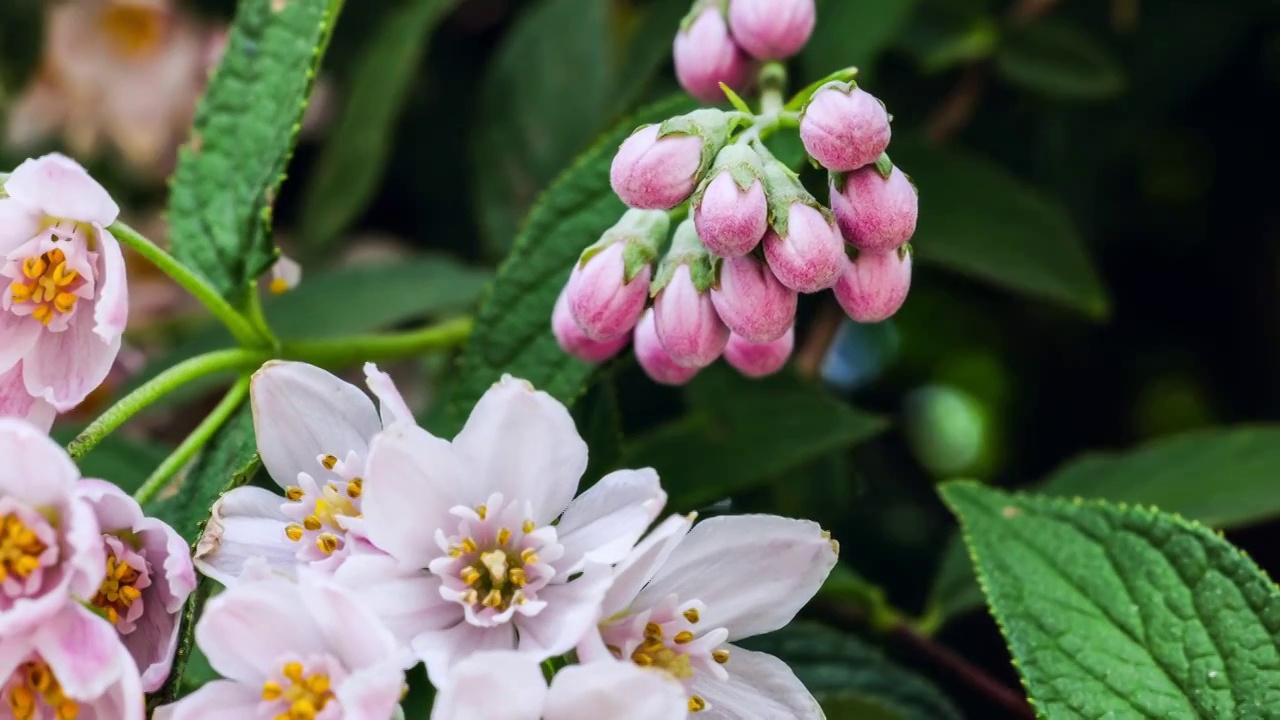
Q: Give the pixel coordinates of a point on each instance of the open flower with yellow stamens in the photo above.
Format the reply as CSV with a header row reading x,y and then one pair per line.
x,y
64,300
313,433
148,578
50,546
682,596
290,649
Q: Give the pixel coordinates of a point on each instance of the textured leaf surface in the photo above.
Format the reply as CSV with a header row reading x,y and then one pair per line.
x,y
513,325
979,220
229,173
1123,612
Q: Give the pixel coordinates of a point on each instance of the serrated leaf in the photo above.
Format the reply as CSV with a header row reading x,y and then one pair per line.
x,y
245,128
853,33
1123,612
347,175
977,219
742,433
513,324
1223,477
1060,61
845,674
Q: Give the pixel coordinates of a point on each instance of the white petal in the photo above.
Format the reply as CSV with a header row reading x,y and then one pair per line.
x,y
301,412
245,523
644,561
247,629
111,308
20,336
16,402
58,186
617,691
83,650
442,650
524,445
603,524
36,470
754,572
760,686
394,408
216,700
351,630
412,480
18,224
372,693
496,685
407,601
572,609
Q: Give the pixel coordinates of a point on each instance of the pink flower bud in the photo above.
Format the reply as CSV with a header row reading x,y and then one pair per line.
x,y
576,342
772,29
876,214
731,221
706,56
654,359
687,322
605,305
811,256
752,302
760,359
655,173
844,128
875,285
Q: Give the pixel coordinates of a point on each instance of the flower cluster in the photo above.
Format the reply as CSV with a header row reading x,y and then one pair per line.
x,y
727,283
90,588
478,556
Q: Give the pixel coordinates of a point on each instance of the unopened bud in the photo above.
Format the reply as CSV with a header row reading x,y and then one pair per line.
x,y
687,322
654,358
874,285
659,166
844,127
731,212
706,56
772,29
810,255
610,283
759,359
285,275
576,342
751,301
875,213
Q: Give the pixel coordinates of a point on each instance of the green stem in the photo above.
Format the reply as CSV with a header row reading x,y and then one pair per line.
x,y
244,333
253,313
347,351
773,84
159,386
196,440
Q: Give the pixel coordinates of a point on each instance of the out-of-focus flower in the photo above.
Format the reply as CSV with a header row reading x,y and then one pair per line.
x,y
50,545
772,29
875,284
148,578
605,690
654,359
706,56
515,561
844,127
285,275
65,298
313,433
682,596
759,359
293,649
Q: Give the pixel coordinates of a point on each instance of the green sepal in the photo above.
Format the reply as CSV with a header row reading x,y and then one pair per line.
x,y
884,165
736,100
687,249
801,99
743,164
837,85
783,188
711,125
4,178
698,7
838,180
642,232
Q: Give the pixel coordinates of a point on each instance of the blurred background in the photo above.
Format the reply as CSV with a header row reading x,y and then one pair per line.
x,y
1098,257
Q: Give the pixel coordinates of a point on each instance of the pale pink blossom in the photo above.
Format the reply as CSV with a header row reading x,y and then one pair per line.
x,y
730,220
759,359
844,127
687,322
810,256
656,173
285,275
874,285
16,402
606,304
493,550
772,29
875,213
148,578
509,685
64,299
70,666
296,649
751,301
50,544
654,359
573,340
313,433
706,56
683,596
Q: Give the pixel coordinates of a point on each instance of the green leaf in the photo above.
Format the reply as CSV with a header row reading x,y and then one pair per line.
x,y
1223,477
351,166
1060,61
1122,612
853,33
844,674
742,433
599,419
173,686
228,175
513,324
123,461
979,220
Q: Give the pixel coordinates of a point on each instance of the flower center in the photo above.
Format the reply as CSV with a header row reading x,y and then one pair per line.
x,y
667,638
134,30
47,284
20,549
328,503
34,686
306,694
119,590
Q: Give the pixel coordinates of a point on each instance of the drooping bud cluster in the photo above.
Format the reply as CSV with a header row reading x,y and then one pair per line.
x,y
719,40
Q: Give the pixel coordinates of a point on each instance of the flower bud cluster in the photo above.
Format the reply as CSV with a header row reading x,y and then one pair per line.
x,y
719,41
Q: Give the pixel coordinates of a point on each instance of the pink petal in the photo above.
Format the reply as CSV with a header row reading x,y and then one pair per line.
x,y
413,478
407,601
245,523
394,408
759,685
58,186
349,629
301,412
18,224
753,572
19,336
83,650
618,691
16,402
495,685
35,470
123,700
247,629
111,309
639,567
603,524
112,506
572,609
216,700
443,650
524,445
372,693
63,368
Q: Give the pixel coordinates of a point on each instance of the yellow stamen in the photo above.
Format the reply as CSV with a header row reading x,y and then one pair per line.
x,y
528,556
311,522
691,615
469,575
355,488
279,286
117,593
697,704
293,531
684,637
21,293
468,545
271,690
329,461
327,542
294,494
20,549
482,511
528,527
720,656
44,314
504,536
653,631
34,267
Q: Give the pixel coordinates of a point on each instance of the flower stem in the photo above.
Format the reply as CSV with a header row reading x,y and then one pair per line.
x,y
773,84
347,351
196,440
244,332
253,313
159,386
